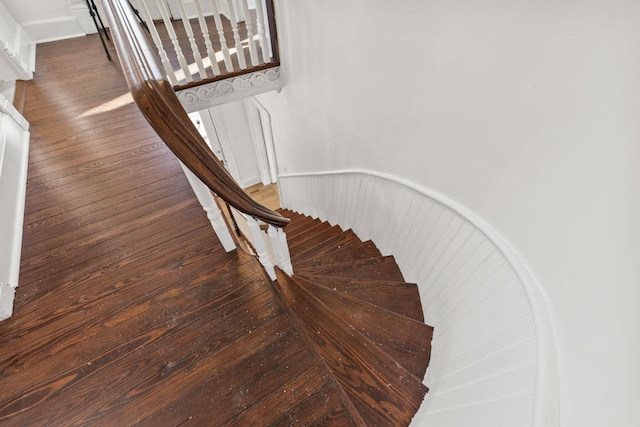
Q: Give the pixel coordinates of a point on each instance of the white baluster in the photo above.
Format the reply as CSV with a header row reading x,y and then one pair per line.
x,y
192,40
286,266
210,206
253,52
223,41
207,40
273,246
174,39
280,249
265,45
168,68
236,36
260,247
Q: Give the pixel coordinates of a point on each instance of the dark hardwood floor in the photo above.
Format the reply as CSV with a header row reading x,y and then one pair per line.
x,y
129,312
128,309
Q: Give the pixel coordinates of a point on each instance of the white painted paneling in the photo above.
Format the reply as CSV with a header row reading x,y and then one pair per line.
x,y
511,357
463,416
414,257
17,51
50,20
471,327
469,284
485,345
497,385
14,152
427,253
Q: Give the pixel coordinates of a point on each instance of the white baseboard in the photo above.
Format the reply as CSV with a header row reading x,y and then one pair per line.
x,y
250,181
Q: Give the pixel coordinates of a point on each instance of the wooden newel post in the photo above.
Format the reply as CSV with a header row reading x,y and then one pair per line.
x,y
280,249
259,244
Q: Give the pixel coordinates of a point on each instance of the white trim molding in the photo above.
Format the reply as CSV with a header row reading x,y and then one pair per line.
x,y
494,355
17,50
14,156
220,92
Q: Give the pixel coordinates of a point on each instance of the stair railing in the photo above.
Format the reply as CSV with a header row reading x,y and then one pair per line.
x,y
157,101
267,242
251,26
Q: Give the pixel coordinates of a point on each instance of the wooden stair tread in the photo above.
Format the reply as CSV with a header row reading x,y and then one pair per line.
x,y
406,340
361,368
400,297
298,225
327,246
342,248
307,232
383,268
314,239
298,222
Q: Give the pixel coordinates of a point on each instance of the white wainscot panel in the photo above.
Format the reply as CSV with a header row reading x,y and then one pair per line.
x,y
493,358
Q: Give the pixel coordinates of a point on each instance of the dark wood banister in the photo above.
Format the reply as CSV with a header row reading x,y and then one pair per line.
x,y
183,86
157,101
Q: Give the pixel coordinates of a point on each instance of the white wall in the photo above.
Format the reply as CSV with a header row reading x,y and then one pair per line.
x,y
526,112
47,20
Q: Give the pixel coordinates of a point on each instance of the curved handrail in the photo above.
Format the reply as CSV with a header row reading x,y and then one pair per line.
x,y
158,102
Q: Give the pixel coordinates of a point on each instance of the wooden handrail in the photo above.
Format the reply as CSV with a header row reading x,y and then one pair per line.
x,y
155,97
209,80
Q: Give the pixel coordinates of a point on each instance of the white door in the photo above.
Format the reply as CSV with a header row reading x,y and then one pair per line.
x,y
267,136
205,126
260,124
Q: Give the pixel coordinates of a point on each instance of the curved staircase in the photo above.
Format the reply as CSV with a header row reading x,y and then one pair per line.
x,y
361,322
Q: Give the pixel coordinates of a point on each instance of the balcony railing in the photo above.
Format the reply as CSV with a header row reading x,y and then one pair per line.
x,y
205,40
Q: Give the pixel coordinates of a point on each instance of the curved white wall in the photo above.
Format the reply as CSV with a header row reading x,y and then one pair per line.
x,y
526,112
493,356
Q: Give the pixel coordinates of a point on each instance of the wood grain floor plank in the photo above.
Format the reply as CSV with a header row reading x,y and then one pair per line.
x,y
106,209
384,268
180,354
400,297
129,311
361,368
294,236
406,340
63,199
325,251
60,334
314,238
